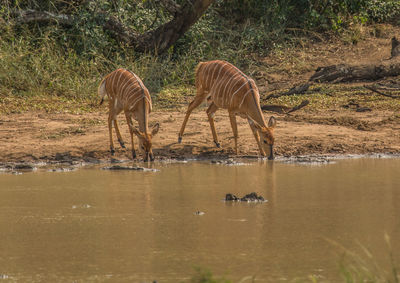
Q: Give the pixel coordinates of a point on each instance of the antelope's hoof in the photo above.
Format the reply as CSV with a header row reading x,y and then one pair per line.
x,y
112,150
134,154
217,144
179,139
122,144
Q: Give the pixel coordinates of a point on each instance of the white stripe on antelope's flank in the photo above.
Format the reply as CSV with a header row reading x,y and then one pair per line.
x,y
229,88
233,94
244,96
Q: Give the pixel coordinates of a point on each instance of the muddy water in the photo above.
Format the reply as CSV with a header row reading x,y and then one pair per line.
x,y
92,225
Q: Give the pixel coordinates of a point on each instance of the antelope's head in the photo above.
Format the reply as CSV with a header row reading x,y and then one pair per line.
x,y
145,142
267,137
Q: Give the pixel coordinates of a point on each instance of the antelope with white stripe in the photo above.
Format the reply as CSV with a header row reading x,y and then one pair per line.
x,y
225,86
126,92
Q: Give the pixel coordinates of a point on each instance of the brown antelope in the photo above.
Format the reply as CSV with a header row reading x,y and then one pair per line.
x,y
126,91
225,86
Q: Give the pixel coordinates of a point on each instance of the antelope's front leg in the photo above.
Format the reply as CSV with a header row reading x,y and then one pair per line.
x,y
210,113
130,125
121,142
232,117
192,105
256,136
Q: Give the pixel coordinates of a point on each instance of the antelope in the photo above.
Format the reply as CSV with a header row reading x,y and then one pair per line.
x,y
126,91
225,86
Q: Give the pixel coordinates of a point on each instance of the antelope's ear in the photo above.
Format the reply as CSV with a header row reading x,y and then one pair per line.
x,y
272,122
155,129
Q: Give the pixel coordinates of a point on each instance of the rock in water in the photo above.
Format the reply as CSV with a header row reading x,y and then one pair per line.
x,y
231,197
252,197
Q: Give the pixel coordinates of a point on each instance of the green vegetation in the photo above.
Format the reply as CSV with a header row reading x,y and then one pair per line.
x,y
53,67
354,267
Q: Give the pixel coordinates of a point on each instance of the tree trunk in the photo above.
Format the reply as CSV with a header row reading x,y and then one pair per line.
x,y
157,40
163,37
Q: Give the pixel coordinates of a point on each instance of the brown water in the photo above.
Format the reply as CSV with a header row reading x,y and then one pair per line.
x,y
93,225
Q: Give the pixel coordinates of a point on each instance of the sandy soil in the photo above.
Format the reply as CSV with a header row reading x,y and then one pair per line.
x,y
39,136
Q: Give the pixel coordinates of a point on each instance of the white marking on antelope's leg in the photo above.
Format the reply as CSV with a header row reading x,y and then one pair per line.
x,y
210,113
256,135
232,117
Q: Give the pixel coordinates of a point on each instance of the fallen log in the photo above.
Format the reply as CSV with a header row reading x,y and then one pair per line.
x,y
347,73
370,72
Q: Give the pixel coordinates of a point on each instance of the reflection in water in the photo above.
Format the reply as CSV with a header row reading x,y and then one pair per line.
x,y
134,226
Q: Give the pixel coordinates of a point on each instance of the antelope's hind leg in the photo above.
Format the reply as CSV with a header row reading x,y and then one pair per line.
x,y
110,124
210,113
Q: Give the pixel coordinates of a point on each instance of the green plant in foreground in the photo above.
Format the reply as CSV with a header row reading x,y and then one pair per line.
x,y
364,268
205,276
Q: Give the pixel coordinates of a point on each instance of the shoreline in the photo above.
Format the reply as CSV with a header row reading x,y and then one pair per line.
x,y
18,167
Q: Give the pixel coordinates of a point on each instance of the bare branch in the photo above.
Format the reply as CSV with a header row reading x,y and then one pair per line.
x,y
381,93
294,90
29,16
282,109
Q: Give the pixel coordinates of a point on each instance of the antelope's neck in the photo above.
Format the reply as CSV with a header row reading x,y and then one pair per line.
x,y
255,113
142,116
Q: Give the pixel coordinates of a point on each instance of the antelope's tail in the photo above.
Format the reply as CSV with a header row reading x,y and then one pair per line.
x,y
102,90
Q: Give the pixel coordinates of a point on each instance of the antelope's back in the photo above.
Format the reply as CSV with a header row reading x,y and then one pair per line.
x,y
127,88
227,85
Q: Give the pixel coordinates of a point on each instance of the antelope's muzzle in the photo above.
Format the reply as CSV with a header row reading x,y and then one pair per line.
x,y
147,155
271,152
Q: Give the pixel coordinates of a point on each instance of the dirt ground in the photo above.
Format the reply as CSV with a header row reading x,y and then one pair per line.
x,y
37,136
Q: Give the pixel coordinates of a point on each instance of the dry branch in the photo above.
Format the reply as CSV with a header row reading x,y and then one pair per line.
x,y
29,16
282,109
294,90
374,89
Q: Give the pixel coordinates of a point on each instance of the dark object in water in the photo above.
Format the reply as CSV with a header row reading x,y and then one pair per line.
x,y
131,168
252,197
118,167
231,197
23,166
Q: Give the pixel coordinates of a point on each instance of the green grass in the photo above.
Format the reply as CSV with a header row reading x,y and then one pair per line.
x,y
353,266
